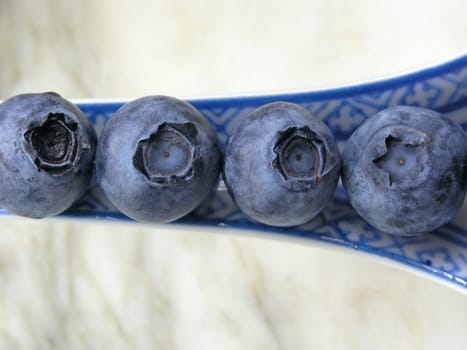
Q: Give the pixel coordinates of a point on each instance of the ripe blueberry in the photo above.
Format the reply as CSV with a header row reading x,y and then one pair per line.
x,y
281,165
157,159
47,149
405,170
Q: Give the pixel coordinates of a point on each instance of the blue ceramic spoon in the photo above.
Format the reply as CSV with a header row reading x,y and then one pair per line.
x,y
441,254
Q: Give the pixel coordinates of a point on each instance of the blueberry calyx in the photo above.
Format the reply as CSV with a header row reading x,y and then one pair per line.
x,y
167,155
402,156
399,161
52,145
301,156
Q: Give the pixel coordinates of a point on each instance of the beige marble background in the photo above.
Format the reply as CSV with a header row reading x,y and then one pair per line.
x,y
77,285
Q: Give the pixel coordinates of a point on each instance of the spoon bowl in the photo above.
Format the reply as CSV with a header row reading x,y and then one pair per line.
x,y
440,255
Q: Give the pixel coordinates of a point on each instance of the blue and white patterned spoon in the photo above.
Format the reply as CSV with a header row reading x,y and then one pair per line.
x,y
441,254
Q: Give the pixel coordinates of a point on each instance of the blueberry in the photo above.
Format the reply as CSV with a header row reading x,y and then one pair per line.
x,y
405,170
47,149
157,159
281,165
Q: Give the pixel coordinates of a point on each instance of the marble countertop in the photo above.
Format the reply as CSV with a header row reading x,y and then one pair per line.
x,y
80,285
97,286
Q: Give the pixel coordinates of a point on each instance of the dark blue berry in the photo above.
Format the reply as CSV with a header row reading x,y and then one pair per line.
x,y
47,149
281,165
157,159
405,170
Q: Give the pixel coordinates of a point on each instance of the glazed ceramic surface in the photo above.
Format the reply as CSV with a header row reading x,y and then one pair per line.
x,y
441,254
